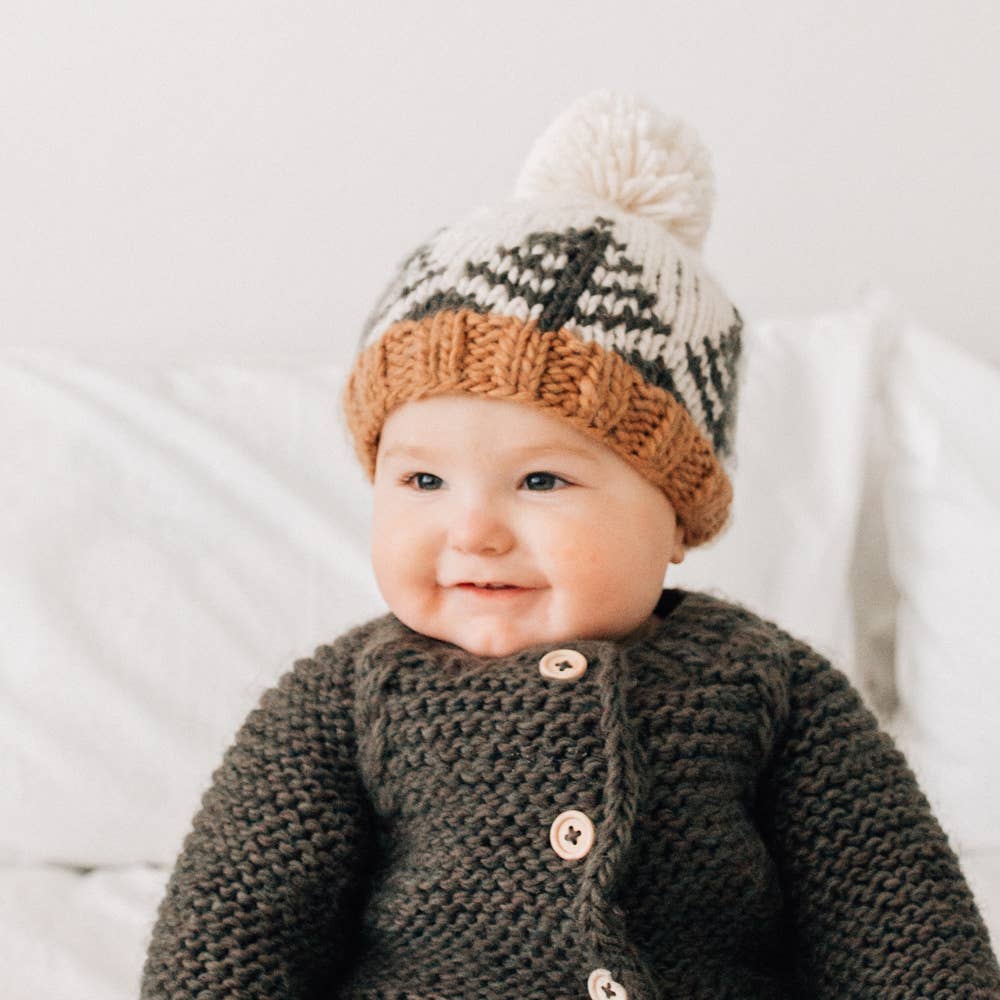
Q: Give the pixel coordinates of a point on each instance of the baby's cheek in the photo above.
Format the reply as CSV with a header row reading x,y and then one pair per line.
x,y
599,556
576,553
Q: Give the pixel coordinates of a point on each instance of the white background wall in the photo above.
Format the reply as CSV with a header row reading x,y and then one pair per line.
x,y
240,177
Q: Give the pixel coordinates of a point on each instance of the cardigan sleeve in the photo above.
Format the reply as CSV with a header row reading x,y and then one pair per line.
x,y
875,901
263,898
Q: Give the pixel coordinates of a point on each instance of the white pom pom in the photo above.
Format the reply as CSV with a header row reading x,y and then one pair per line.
x,y
621,149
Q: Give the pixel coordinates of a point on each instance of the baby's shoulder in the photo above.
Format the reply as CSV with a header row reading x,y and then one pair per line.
x,y
789,665
733,642
333,663
354,638
722,624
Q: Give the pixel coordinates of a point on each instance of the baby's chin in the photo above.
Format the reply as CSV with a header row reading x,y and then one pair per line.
x,y
495,642
497,649
494,631
501,640
485,636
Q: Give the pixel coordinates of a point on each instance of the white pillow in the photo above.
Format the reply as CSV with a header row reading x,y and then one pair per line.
x,y
943,520
806,405
172,540
67,934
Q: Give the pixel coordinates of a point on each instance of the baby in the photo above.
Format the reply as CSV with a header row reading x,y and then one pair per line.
x,y
542,775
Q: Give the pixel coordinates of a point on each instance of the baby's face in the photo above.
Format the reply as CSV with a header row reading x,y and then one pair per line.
x,y
471,490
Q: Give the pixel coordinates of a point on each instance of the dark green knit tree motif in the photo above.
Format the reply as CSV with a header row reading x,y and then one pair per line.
x,y
628,306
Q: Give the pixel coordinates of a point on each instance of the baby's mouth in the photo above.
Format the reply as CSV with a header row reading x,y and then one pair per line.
x,y
493,589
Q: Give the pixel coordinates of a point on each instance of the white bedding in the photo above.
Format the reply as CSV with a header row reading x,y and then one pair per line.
x,y
76,935
172,540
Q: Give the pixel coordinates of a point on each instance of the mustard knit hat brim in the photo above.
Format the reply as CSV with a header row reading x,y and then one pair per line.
x,y
506,358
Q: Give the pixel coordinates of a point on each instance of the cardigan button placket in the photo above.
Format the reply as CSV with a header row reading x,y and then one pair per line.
x,y
601,986
563,665
571,834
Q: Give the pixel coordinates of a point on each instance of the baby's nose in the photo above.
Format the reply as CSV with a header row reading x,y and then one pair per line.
x,y
479,529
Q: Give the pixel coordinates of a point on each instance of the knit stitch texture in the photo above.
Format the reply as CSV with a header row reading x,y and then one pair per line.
x,y
380,828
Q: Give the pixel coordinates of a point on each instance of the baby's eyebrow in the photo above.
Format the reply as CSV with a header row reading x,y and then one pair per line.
x,y
540,448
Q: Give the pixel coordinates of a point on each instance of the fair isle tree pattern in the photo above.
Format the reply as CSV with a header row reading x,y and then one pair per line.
x,y
582,280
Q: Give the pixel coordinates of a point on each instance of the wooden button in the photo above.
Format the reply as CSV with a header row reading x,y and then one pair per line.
x,y
571,834
563,665
601,986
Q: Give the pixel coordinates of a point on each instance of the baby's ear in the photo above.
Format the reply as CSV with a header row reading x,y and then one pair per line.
x,y
677,556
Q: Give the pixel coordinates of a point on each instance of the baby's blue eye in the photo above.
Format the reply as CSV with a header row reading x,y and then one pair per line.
x,y
543,475
418,476
420,481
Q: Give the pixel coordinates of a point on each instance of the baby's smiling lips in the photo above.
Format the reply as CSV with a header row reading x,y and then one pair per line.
x,y
493,590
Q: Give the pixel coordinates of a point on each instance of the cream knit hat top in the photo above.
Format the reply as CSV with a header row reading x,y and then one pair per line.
x,y
585,296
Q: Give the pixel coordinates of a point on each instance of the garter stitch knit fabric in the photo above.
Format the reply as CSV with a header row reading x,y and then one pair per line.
x,y
382,826
585,296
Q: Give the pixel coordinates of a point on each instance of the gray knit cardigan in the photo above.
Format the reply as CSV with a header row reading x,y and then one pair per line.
x,y
384,826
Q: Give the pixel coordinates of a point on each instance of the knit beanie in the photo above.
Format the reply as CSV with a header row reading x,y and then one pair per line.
x,y
584,296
